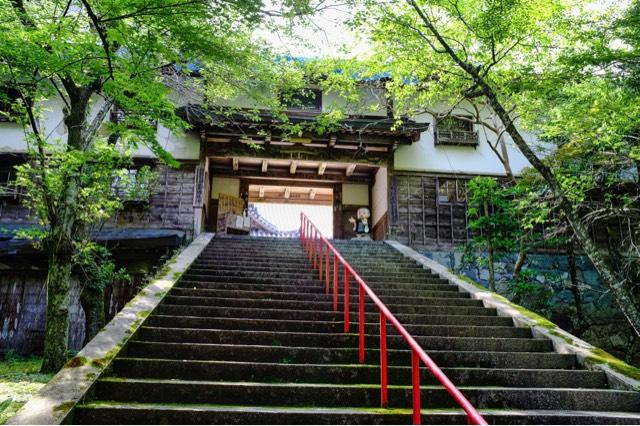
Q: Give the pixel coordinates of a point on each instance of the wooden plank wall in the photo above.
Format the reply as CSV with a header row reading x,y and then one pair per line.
x,y
170,207
23,309
419,218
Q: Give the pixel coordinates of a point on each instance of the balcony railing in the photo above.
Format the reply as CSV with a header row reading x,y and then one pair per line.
x,y
456,137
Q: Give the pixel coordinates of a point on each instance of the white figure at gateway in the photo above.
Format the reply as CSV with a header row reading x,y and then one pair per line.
x,y
361,224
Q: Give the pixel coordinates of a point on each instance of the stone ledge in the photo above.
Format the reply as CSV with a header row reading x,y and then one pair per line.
x,y
563,342
56,400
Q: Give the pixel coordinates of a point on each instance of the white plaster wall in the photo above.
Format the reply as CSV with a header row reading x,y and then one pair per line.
x,y
424,155
12,137
372,102
379,200
183,147
355,194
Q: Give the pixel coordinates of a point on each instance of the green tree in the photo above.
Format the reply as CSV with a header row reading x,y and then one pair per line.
x,y
505,56
492,216
89,56
96,271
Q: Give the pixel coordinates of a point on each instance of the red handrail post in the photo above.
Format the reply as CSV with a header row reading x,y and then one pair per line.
x,y
384,398
335,295
313,247
326,272
361,320
316,249
309,238
320,259
335,272
346,299
415,374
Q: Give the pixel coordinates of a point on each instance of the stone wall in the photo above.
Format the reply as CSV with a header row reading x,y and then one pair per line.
x,y
603,324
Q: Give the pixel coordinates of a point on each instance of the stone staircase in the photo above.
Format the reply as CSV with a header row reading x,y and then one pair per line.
x,y
249,336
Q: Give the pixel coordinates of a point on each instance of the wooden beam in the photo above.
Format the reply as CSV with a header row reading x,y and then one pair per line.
x,y
332,141
261,194
322,168
312,193
293,167
265,166
287,192
350,169
301,153
235,164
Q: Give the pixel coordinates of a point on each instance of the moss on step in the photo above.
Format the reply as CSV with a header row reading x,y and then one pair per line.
x,y
76,361
601,357
539,320
65,406
469,280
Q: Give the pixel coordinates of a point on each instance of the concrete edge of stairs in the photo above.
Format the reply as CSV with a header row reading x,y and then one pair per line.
x,y
58,397
587,355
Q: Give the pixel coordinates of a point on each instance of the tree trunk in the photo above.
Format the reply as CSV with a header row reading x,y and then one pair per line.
x,y
517,267
575,290
92,301
56,339
490,253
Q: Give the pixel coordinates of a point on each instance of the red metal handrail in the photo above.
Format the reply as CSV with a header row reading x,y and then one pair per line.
x,y
315,244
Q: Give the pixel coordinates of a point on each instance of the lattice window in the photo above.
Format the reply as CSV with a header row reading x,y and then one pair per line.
x,y
452,191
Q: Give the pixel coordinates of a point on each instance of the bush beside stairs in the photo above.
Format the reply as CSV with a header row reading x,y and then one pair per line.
x,y
248,335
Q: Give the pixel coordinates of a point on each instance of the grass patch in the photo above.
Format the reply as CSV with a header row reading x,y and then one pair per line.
x,y
19,380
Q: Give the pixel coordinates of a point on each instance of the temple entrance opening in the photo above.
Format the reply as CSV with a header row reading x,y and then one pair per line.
x,y
275,209
265,196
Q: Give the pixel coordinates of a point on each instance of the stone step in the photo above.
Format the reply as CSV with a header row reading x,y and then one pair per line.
x,y
240,264
257,279
317,326
105,412
284,275
206,268
257,257
279,295
338,340
202,392
466,330
348,373
309,315
417,308
426,291
293,354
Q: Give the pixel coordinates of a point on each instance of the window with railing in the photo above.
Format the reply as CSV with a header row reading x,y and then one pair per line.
x,y
455,131
8,187
118,116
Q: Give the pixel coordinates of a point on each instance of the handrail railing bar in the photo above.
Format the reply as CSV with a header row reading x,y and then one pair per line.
x,y
417,353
